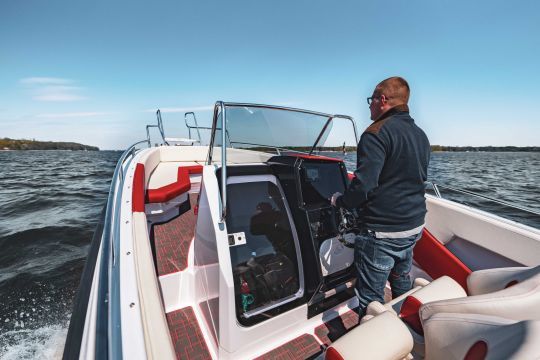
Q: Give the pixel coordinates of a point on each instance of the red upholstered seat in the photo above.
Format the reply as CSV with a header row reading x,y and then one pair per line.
x,y
170,191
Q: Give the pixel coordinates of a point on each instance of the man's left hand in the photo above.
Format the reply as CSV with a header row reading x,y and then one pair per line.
x,y
334,198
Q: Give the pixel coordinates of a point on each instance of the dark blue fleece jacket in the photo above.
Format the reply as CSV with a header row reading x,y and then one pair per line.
x,y
388,187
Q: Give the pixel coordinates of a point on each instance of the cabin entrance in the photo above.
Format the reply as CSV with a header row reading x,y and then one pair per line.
x,y
264,248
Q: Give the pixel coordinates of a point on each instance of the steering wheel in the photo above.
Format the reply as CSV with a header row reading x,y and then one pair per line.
x,y
345,224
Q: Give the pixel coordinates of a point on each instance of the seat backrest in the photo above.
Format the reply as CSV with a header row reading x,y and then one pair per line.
x,y
491,280
517,302
473,336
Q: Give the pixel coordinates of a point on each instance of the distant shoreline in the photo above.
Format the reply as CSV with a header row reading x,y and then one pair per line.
x,y
437,148
441,148
7,144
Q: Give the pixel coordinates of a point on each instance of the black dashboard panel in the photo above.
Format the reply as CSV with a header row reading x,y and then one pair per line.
x,y
318,181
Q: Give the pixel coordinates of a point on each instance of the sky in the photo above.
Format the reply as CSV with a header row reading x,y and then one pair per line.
x,y
95,72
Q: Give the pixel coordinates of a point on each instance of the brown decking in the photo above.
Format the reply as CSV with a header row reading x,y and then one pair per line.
x,y
172,241
303,347
186,335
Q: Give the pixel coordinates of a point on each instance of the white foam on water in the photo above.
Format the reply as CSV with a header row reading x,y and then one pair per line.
x,y
42,343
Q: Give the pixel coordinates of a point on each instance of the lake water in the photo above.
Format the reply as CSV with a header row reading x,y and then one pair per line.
x,y
51,202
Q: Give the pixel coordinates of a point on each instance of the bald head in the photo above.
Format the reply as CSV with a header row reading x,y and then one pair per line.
x,y
395,89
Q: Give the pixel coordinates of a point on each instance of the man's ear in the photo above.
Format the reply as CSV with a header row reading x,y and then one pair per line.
x,y
384,100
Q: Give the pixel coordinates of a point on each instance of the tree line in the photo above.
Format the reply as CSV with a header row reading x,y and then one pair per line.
x,y
24,144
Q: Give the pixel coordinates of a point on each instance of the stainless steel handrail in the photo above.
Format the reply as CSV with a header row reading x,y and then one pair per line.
x,y
233,104
160,126
108,341
148,134
190,127
223,164
471,193
435,188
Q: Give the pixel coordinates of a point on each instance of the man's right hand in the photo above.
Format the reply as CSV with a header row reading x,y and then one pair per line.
x,y
334,198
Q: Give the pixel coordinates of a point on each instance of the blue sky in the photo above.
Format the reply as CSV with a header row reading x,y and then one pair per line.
x,y
95,72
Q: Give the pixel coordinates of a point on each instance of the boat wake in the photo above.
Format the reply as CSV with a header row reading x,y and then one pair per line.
x,y
43,343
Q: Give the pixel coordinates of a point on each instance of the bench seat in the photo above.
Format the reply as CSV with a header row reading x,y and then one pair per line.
x,y
172,190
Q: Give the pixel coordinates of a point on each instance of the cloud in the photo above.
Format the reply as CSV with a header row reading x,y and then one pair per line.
x,y
52,89
182,109
74,114
45,81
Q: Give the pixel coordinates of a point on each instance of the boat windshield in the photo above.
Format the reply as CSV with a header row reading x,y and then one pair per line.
x,y
263,129
271,129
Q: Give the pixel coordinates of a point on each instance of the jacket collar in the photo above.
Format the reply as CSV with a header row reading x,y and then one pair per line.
x,y
394,110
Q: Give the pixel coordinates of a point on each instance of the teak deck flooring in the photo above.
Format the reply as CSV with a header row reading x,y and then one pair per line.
x,y
173,239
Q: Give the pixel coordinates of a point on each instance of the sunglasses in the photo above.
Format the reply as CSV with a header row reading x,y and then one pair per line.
x,y
371,98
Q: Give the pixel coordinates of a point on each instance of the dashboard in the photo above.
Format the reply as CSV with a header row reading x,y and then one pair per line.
x,y
319,181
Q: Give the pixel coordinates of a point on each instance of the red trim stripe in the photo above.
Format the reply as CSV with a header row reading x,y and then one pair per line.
x,y
409,313
137,197
437,260
315,157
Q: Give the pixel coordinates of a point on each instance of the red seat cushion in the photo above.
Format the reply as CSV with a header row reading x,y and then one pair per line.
x,y
435,259
170,191
137,197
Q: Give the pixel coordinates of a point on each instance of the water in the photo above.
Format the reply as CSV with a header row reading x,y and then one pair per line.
x,y
51,202
510,177
50,206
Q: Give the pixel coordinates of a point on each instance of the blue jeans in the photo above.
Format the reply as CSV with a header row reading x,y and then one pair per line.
x,y
378,260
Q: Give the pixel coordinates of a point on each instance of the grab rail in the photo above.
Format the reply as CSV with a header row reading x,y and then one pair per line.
x,y
148,134
108,341
223,163
160,126
467,192
193,127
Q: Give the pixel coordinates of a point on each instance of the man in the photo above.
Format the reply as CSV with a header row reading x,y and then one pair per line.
x,y
388,193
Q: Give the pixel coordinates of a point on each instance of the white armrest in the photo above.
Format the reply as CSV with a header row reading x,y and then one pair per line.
x,y
382,337
440,289
420,282
375,308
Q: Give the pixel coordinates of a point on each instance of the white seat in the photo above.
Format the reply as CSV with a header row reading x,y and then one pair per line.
x,y
513,293
509,293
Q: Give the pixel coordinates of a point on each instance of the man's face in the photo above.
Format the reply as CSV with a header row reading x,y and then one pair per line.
x,y
375,106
